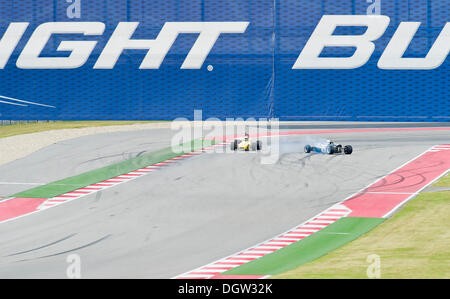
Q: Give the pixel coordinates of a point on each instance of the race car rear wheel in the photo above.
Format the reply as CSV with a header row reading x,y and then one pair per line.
x,y
348,150
234,145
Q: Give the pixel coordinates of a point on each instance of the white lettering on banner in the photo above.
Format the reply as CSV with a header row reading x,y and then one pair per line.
x,y
376,26
10,40
392,58
80,50
323,37
208,34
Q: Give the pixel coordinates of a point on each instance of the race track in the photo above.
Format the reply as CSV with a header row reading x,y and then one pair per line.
x,y
186,215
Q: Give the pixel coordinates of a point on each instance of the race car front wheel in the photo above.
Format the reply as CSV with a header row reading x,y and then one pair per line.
x,y
307,148
330,150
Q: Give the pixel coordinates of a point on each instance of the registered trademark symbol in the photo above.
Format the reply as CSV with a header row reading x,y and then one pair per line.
x,y
210,68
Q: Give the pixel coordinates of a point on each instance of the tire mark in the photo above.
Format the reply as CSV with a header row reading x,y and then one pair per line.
x,y
70,250
43,246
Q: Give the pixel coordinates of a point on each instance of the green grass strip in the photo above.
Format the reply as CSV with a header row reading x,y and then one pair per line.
x,y
412,244
98,175
333,236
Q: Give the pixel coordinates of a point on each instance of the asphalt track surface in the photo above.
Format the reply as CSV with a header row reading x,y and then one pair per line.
x,y
186,215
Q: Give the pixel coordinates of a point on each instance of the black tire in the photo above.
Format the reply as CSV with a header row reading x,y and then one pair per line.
x,y
348,150
258,145
307,148
330,149
234,145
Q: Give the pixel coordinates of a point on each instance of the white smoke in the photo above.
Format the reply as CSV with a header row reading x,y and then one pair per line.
x,y
289,145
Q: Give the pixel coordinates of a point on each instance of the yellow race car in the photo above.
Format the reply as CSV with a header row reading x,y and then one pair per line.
x,y
246,144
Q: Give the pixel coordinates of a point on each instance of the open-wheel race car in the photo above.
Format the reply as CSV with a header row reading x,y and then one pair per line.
x,y
329,148
246,144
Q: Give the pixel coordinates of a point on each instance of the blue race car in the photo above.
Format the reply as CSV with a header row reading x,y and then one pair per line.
x,y
329,148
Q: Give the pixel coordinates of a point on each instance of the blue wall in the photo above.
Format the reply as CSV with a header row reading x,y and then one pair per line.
x,y
252,74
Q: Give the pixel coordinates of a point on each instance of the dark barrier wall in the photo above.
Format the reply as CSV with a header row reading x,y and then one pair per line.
x,y
245,75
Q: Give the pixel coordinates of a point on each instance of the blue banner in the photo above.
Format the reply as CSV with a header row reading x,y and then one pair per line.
x,y
247,74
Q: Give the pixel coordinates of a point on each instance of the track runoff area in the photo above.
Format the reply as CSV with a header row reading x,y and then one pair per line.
x,y
330,229
340,224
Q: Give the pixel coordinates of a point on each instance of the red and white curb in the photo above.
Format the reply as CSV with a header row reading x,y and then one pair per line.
x,y
126,177
296,234
379,199
438,148
16,208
